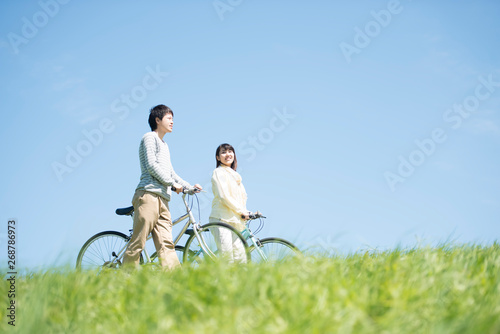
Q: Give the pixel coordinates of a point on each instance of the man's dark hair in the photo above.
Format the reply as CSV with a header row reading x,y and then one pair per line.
x,y
159,111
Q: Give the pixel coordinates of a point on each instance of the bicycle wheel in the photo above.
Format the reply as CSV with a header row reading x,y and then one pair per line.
x,y
179,250
223,242
273,250
103,250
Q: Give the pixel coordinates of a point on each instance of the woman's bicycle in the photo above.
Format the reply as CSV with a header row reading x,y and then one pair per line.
x,y
267,249
106,249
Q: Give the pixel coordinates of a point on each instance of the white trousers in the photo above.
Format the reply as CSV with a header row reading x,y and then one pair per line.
x,y
229,244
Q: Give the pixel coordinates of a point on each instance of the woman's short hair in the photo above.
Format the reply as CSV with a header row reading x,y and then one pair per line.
x,y
226,147
159,111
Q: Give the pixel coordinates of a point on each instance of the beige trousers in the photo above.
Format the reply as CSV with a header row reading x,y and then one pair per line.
x,y
151,215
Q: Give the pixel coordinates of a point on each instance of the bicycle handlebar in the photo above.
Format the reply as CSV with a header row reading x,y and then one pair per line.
x,y
187,191
254,216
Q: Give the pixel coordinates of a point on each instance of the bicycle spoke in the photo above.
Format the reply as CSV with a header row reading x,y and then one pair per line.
x,y
216,242
98,250
273,250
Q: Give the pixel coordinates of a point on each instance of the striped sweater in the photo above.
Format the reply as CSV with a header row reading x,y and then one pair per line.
x,y
157,173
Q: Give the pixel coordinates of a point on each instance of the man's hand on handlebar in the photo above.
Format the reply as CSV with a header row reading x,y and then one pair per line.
x,y
196,189
177,188
180,189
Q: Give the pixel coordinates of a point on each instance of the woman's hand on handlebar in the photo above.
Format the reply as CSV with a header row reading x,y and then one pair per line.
x,y
251,215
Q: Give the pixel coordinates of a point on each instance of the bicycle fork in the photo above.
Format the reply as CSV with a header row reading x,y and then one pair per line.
x,y
201,240
248,235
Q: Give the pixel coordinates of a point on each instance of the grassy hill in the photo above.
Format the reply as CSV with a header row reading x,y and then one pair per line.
x,y
448,289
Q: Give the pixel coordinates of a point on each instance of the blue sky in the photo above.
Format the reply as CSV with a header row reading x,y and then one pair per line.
x,y
358,125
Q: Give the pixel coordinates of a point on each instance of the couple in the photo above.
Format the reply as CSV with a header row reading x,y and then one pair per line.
x,y
158,179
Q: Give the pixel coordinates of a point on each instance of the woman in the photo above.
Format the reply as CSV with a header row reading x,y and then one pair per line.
x,y
229,203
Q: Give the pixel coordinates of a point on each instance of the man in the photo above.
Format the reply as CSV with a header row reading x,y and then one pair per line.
x,y
150,201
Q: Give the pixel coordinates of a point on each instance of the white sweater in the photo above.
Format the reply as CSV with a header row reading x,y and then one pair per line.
x,y
230,197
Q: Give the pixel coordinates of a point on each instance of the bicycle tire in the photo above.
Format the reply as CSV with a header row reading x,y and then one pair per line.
x,y
97,252
178,249
275,250
234,251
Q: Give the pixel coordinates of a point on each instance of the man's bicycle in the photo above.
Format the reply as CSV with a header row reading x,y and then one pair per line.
x,y
106,249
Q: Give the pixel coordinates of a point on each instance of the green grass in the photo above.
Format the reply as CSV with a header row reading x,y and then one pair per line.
x,y
447,289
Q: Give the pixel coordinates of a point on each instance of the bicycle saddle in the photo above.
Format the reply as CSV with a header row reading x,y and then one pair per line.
x,y
125,211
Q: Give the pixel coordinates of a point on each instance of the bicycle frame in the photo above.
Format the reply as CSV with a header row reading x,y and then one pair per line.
x,y
191,221
248,235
